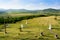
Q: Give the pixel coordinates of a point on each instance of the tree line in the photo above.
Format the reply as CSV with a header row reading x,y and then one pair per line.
x,y
10,19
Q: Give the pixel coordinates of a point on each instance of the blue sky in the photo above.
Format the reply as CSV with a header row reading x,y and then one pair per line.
x,y
29,4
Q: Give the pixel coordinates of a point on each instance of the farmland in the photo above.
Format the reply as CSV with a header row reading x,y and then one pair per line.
x,y
32,29
28,25
29,20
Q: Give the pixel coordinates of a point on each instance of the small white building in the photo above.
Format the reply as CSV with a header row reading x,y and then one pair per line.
x,y
50,27
22,26
26,22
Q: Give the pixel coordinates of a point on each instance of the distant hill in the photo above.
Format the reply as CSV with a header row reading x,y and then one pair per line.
x,y
45,11
17,10
2,11
50,10
21,11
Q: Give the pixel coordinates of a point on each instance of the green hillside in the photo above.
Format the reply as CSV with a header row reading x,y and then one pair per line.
x,y
32,29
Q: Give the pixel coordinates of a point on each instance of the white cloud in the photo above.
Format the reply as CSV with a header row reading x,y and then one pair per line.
x,y
14,4
35,6
30,6
15,1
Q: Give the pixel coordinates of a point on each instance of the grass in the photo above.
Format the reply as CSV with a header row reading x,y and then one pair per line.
x,y
21,14
32,30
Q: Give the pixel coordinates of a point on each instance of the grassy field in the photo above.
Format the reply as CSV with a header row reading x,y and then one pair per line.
x,y
17,15
32,30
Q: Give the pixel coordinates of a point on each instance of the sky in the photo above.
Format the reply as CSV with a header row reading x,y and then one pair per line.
x,y
29,4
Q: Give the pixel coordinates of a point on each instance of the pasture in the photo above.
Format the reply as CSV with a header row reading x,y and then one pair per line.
x,y
32,30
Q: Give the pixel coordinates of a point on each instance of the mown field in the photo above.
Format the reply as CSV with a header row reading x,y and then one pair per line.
x,y
16,15
32,29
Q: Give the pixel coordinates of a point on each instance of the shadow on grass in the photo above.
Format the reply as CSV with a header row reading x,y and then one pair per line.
x,y
58,38
56,28
32,39
2,36
27,31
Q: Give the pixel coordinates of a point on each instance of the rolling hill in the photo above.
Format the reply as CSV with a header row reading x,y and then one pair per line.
x,y
45,11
